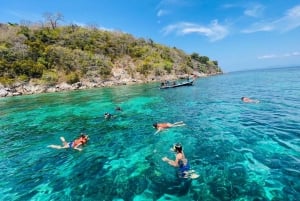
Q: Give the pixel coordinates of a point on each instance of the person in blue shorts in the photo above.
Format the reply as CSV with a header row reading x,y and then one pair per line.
x,y
180,161
75,144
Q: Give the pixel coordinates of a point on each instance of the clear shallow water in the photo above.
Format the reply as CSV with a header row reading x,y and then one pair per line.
x,y
241,151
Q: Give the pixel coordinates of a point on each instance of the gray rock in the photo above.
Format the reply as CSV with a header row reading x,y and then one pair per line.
x,y
3,92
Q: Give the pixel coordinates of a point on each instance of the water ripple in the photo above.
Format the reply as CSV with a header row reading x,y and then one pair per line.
x,y
241,151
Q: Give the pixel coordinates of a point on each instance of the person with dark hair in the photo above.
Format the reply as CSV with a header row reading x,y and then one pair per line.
x,y
118,108
108,115
81,140
249,100
181,162
162,126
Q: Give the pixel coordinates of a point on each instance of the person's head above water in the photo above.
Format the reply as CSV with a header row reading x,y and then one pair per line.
x,y
84,138
82,135
177,147
108,115
118,108
155,125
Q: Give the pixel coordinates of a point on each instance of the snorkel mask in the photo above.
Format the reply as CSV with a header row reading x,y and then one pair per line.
x,y
177,147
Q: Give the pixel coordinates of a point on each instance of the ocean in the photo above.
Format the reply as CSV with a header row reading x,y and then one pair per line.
x,y
241,151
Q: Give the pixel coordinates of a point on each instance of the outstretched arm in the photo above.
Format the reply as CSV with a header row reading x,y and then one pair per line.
x,y
77,147
158,130
171,162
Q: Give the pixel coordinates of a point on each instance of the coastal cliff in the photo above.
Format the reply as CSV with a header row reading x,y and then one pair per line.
x,y
41,59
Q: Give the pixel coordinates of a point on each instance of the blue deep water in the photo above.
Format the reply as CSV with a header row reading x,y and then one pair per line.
x,y
241,151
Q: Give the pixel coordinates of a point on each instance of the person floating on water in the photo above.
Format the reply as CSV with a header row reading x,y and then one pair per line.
x,y
108,115
162,126
118,108
184,170
249,100
82,140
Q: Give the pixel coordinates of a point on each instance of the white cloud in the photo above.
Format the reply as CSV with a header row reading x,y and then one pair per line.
x,y
294,12
287,22
254,11
258,27
269,56
214,31
226,6
273,56
295,53
291,20
162,12
166,7
251,10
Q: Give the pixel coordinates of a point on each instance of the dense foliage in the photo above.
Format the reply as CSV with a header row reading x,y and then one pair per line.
x,y
53,54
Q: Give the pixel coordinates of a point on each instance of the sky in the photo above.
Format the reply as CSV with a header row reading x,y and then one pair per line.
x,y
239,34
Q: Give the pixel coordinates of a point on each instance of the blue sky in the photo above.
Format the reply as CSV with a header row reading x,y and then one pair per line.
x,y
240,35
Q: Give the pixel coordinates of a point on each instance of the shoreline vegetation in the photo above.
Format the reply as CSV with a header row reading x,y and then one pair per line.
x,y
44,57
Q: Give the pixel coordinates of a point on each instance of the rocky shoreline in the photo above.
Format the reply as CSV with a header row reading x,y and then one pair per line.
x,y
19,89
31,87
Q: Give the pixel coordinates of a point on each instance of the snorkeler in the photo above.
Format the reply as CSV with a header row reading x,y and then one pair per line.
x,y
249,100
162,126
108,115
118,108
82,140
181,162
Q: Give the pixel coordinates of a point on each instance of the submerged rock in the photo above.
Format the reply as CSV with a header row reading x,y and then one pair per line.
x,y
237,174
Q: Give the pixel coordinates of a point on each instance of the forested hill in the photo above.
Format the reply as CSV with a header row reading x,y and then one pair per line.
x,y
46,55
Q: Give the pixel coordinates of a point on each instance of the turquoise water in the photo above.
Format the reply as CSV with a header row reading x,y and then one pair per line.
x,y
241,151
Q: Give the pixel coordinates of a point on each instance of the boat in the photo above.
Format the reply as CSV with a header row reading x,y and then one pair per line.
x,y
174,84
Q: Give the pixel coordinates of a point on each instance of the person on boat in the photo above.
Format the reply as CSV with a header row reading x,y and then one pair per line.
x,y
80,141
249,100
162,126
181,162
